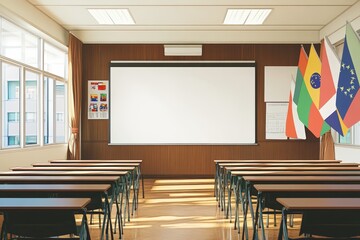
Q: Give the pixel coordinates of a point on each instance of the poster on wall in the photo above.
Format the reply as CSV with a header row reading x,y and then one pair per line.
x,y
98,99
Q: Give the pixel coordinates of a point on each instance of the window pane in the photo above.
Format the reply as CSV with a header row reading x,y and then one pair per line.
x,y
60,110
54,60
19,45
31,106
345,139
10,105
356,130
48,110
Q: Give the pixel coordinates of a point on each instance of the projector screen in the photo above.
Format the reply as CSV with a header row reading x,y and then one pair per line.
x,y
190,103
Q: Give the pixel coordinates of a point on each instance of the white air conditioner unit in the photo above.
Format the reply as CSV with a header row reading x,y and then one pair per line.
x,y
182,50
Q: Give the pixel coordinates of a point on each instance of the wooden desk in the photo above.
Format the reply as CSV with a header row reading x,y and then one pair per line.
x,y
97,161
311,204
35,172
225,169
73,168
130,169
106,161
236,173
59,179
136,173
51,205
85,164
252,180
217,168
301,179
63,190
121,174
267,194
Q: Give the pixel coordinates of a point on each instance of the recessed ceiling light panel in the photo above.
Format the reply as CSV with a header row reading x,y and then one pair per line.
x,y
112,16
246,16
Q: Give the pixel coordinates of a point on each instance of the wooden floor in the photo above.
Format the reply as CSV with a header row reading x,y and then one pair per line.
x,y
182,209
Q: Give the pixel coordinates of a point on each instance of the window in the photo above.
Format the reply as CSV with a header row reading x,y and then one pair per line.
x,y
13,117
32,91
54,60
31,105
19,44
60,107
352,137
54,109
13,141
30,140
10,105
48,110
59,117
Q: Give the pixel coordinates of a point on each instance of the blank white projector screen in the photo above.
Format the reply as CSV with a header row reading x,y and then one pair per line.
x,y
190,103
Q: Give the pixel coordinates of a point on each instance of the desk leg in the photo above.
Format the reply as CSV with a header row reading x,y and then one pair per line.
x,y
256,219
236,192
134,192
142,181
109,218
118,218
284,224
242,202
261,220
245,211
215,181
228,209
85,227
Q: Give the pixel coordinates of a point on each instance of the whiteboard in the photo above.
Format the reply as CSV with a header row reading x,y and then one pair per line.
x,y
182,103
277,82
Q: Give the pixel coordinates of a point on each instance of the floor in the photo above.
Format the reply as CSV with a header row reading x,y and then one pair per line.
x,y
181,209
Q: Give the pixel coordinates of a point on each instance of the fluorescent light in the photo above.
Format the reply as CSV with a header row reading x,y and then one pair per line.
x,y
112,16
246,16
182,50
236,16
257,16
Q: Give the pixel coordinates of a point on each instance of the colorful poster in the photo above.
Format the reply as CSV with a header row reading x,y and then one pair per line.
x,y
98,98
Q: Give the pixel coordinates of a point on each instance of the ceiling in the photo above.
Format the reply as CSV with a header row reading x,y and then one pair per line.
x,y
195,21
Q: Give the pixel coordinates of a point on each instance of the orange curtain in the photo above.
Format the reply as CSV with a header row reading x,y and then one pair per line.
x,y
75,79
327,149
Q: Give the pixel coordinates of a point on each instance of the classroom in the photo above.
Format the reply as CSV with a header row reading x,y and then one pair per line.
x,y
180,119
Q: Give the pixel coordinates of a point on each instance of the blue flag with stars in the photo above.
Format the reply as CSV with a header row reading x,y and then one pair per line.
x,y
348,84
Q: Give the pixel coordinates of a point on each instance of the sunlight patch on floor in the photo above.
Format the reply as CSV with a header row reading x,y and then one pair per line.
x,y
190,194
191,225
172,200
160,218
182,187
177,181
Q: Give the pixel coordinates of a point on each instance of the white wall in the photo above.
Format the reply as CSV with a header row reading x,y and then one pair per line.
x,y
25,157
347,153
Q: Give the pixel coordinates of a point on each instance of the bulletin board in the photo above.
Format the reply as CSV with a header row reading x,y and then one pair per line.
x,y
98,99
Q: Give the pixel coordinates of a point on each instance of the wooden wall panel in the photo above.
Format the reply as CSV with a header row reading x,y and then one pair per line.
x,y
194,160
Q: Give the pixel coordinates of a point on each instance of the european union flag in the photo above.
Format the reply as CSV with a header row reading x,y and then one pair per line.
x,y
348,84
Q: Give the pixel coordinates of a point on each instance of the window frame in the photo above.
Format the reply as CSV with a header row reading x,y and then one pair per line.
x,y
24,68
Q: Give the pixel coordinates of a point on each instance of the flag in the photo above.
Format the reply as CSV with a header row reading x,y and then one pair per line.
x,y
294,127
330,71
308,97
348,95
303,59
